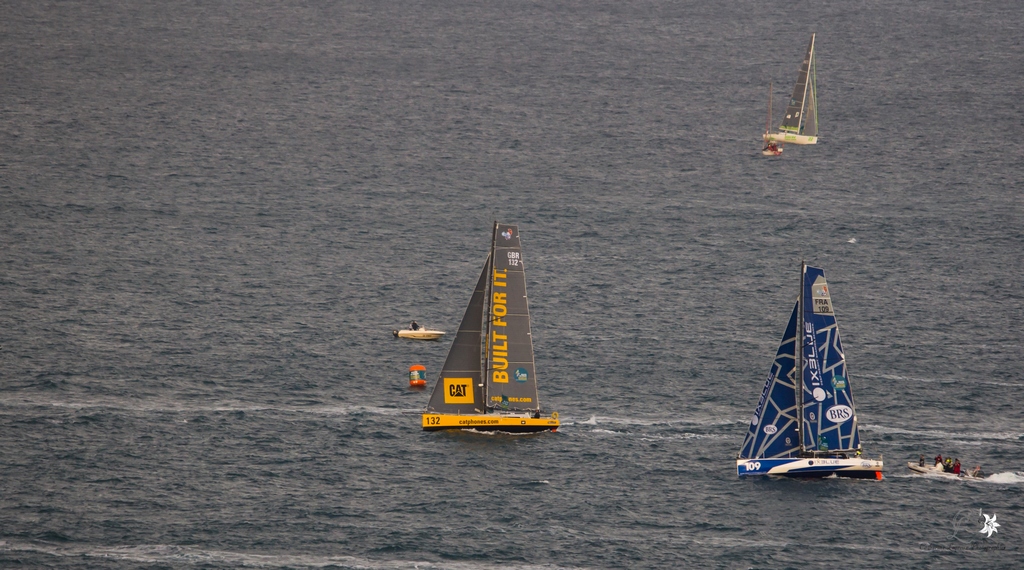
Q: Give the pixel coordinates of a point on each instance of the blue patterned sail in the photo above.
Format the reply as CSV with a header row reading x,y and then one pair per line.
x,y
773,429
829,416
805,424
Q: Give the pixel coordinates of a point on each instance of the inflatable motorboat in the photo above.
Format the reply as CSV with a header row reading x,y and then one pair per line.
x,y
939,471
419,334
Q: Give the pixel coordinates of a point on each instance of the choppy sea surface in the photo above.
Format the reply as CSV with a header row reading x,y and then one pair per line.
x,y
213,214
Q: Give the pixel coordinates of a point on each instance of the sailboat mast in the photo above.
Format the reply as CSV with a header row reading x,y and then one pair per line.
x,y
768,123
488,317
814,90
803,102
798,345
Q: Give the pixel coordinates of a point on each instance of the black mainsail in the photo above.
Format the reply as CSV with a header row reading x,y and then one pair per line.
x,y
511,373
802,114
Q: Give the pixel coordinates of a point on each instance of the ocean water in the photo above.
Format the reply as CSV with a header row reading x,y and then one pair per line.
x,y
213,214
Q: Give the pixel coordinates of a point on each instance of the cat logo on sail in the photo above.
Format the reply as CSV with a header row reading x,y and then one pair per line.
x,y
458,390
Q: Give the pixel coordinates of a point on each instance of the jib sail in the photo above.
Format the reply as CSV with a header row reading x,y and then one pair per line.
x,y
773,428
459,389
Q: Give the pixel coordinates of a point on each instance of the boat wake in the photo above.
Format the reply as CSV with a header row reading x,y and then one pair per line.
x,y
185,556
226,407
909,379
945,435
1006,478
147,408
594,420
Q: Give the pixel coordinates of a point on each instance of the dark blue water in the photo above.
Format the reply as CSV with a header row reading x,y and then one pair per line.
x,y
213,214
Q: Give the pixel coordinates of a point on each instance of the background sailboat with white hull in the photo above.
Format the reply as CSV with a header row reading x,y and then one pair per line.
x,y
805,423
488,381
800,123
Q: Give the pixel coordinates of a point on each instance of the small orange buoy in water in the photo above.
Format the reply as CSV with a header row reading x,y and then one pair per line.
x,y
417,376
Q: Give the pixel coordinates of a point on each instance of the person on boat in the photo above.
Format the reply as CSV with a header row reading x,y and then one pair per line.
x,y
414,326
947,466
920,462
956,468
976,472
938,460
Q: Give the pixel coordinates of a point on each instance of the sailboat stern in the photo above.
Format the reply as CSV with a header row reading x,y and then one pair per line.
x,y
507,423
811,467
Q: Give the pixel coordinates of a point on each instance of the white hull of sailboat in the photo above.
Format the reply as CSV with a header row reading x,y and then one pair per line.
x,y
790,138
811,467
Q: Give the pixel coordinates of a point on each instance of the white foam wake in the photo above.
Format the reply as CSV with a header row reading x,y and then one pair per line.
x,y
649,421
222,407
910,379
940,434
185,556
1006,478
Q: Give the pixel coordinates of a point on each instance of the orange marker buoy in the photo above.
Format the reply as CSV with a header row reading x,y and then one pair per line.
x,y
417,376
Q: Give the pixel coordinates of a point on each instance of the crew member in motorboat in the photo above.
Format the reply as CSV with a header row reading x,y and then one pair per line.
x,y
920,462
956,468
947,466
414,326
938,460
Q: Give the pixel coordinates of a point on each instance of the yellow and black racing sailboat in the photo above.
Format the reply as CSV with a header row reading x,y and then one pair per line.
x,y
489,381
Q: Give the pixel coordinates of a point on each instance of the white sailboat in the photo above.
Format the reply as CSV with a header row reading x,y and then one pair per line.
x,y
805,424
800,124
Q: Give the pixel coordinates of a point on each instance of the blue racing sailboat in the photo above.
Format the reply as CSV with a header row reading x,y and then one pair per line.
x,y
805,424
